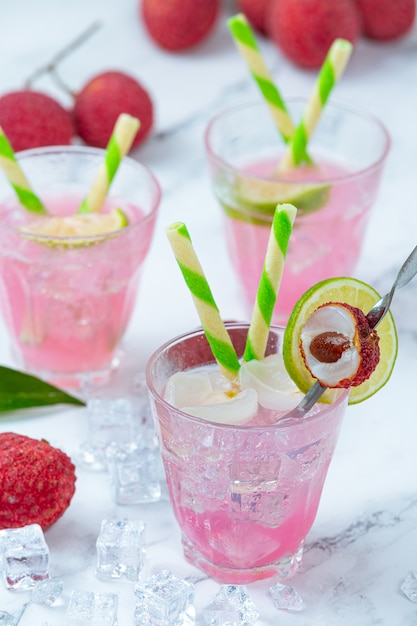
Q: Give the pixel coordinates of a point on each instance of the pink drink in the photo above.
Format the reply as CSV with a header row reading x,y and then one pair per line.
x,y
348,147
323,244
67,306
245,497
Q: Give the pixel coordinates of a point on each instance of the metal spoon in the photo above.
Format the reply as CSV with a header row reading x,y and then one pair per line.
x,y
406,272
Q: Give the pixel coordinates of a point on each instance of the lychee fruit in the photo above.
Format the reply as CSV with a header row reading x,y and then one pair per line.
x,y
385,19
256,13
100,102
31,119
304,30
338,346
37,481
179,24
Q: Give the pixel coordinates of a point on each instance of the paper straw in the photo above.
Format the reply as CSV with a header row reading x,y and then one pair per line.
x,y
246,44
270,281
330,72
213,326
14,174
119,145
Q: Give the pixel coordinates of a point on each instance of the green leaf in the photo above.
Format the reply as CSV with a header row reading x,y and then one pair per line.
x,y
21,391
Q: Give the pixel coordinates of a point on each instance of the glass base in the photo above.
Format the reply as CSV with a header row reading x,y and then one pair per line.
x,y
85,383
282,569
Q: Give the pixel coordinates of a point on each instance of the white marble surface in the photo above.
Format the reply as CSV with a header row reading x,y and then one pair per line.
x,y
364,540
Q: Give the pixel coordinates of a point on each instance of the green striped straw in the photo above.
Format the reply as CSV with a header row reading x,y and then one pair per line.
x,y
245,41
119,145
330,72
14,174
213,326
270,281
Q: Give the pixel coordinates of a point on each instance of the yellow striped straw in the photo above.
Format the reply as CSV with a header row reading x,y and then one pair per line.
x,y
213,326
330,72
246,43
281,229
119,145
17,179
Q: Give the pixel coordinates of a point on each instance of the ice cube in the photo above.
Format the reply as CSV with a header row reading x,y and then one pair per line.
x,y
164,600
88,608
409,586
109,421
47,592
236,598
136,473
121,549
6,619
25,556
286,597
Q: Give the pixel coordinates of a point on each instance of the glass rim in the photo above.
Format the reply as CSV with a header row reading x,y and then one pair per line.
x,y
331,104
99,153
279,425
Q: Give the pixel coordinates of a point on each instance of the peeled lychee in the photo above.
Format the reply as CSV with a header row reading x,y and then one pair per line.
x,y
179,24
31,119
304,30
338,346
100,102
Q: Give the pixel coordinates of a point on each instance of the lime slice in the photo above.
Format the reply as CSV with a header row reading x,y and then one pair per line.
x,y
83,229
355,293
256,198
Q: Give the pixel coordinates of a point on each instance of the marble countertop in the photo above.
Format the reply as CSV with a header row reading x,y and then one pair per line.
x,y
364,540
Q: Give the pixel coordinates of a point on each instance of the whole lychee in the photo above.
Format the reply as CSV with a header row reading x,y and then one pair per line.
x,y
100,102
385,19
304,30
179,24
256,12
31,119
338,346
37,481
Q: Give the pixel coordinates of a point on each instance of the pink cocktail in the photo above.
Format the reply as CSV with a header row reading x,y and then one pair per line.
x,y
244,496
334,198
67,304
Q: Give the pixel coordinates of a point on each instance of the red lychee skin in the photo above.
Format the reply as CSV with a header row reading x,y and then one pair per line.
x,y
366,341
386,19
256,13
179,24
100,102
31,119
37,482
305,29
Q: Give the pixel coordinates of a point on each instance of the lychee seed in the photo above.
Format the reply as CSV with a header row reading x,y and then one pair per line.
x,y
328,347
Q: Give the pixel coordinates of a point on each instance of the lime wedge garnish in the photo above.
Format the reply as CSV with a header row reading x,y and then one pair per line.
x,y
254,198
81,229
355,293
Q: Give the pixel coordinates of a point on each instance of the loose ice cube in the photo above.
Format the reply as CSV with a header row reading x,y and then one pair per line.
x,y
25,556
88,608
286,597
164,600
120,549
270,379
47,592
236,598
409,586
136,473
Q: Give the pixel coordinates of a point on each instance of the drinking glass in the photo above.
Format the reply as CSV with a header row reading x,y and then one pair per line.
x,y
244,496
334,197
67,301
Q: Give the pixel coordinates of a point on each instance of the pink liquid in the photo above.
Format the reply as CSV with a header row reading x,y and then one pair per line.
x,y
67,308
324,243
245,498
